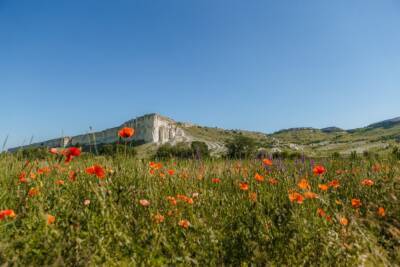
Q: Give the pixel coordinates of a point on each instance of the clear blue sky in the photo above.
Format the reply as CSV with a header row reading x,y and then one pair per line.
x,y
257,65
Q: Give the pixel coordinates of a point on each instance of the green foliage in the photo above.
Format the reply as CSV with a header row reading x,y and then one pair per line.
x,y
396,152
116,149
183,150
226,227
32,153
241,147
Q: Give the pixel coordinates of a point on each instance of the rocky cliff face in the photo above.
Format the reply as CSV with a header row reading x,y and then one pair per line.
x,y
151,128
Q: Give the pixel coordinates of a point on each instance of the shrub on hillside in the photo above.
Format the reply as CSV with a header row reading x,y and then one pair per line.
x,y
241,147
183,150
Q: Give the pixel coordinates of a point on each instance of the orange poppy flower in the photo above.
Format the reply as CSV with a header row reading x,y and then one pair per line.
x,y
344,221
22,177
7,213
356,203
158,218
267,162
72,176
172,200
367,182
259,177
50,219
296,197
244,186
53,151
216,180
323,187
381,211
33,192
334,183
126,132
86,202
59,182
96,170
321,212
319,170
144,202
303,184
272,181
184,224
310,195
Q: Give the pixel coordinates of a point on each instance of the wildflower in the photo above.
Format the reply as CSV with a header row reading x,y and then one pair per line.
x,y
244,186
144,202
50,219
323,187
60,182
195,195
334,183
272,181
321,212
344,221
22,177
43,170
72,176
126,132
259,177
303,184
71,152
158,218
367,182
296,197
171,172
7,213
310,195
96,170
253,196
216,180
381,211
86,202
33,192
53,151
319,170
172,200
267,162
184,224
356,203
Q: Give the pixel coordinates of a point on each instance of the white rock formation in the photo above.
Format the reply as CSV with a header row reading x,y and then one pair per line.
x,y
151,128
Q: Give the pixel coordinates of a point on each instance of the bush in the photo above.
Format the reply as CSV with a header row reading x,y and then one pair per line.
x,y
116,149
31,153
183,150
241,147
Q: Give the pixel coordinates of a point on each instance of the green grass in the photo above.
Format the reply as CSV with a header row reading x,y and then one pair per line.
x,y
226,226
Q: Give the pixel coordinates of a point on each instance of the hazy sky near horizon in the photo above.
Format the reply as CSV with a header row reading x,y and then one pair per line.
x,y
260,65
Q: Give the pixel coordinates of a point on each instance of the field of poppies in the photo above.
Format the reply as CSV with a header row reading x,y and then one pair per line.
x,y
76,209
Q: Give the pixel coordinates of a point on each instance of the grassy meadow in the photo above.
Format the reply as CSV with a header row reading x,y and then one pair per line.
x,y
122,211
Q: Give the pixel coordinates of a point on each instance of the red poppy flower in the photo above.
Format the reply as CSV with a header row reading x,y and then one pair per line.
x,y
367,182
319,170
259,177
356,203
244,186
71,152
7,213
126,132
267,162
296,197
216,180
96,170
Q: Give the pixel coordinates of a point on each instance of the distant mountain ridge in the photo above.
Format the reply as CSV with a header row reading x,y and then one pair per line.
x,y
155,129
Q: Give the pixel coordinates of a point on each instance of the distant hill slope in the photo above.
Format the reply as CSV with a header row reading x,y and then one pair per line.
x,y
155,129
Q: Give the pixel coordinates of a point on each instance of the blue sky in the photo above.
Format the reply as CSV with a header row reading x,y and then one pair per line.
x,y
257,65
